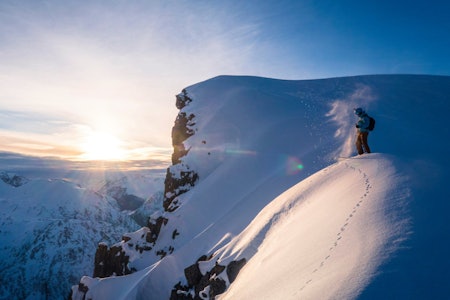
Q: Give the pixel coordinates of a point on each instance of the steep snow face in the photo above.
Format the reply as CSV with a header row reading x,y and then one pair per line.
x,y
255,138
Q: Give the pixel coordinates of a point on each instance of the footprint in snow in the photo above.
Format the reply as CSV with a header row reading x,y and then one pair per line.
x,y
339,234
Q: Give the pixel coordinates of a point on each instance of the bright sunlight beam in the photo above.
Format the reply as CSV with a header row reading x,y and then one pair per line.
x,y
102,146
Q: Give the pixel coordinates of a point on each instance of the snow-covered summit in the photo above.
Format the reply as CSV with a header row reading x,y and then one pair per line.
x,y
13,179
269,193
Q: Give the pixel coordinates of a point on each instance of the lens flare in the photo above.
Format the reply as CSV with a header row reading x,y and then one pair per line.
x,y
293,165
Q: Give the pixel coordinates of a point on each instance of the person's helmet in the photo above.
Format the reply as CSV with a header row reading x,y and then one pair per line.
x,y
359,111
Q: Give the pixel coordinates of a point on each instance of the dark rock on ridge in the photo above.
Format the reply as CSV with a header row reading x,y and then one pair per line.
x,y
181,179
208,285
112,261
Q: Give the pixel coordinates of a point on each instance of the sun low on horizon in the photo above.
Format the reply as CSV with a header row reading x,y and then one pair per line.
x,y
107,150
102,146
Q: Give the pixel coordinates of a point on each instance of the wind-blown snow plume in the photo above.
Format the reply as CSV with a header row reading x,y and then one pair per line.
x,y
341,112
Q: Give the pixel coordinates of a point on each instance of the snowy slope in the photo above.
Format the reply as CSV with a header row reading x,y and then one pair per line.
x,y
255,138
332,230
50,228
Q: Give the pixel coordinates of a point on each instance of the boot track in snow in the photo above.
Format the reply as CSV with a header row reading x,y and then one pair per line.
x,y
340,234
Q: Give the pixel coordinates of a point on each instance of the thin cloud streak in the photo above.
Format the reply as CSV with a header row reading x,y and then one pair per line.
x,y
119,74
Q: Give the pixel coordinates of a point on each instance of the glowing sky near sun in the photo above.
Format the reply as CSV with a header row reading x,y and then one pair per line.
x,y
106,72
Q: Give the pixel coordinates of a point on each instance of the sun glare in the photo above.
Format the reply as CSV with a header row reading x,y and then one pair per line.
x,y
103,146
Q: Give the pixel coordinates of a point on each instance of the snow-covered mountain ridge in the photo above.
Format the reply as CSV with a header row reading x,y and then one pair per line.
x,y
13,179
255,138
50,227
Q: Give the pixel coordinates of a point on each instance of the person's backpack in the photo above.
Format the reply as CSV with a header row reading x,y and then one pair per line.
x,y
371,123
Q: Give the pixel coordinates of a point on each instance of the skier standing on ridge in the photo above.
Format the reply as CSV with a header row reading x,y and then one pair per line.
x,y
363,127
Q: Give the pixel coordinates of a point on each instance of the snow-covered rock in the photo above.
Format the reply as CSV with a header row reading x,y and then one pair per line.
x,y
13,179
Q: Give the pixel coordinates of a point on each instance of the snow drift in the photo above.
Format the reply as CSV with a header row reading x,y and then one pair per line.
x,y
270,192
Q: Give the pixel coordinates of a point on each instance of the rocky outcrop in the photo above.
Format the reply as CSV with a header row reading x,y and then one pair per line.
x,y
182,129
155,228
110,261
13,179
179,177
114,260
209,285
176,185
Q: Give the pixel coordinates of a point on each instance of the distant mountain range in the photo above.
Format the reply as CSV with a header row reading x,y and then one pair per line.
x,y
50,227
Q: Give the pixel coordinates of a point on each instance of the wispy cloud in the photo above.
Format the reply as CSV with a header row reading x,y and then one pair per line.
x,y
115,66
111,66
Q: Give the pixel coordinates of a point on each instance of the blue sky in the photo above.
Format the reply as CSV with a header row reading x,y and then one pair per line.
x,y
73,72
